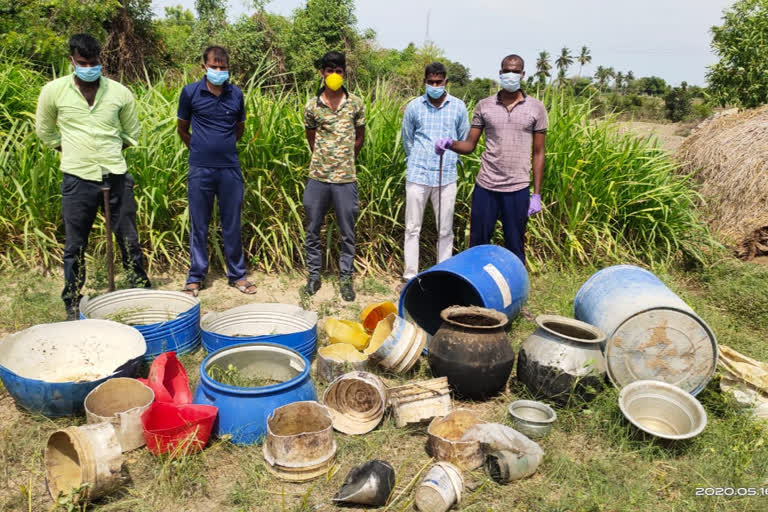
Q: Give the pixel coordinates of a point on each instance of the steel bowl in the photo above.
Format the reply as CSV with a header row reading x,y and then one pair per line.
x,y
662,410
534,419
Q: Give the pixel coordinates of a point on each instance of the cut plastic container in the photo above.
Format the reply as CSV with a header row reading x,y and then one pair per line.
x,y
121,402
177,429
168,379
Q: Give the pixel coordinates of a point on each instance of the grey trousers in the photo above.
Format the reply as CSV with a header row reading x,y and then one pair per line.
x,y
318,196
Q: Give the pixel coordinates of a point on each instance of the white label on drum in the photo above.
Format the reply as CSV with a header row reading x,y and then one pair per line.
x,y
501,283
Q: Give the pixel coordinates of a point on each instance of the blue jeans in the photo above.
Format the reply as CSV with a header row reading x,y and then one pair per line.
x,y
226,184
489,206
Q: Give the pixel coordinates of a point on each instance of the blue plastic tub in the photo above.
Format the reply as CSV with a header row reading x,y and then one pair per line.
x,y
282,324
49,369
485,275
243,412
169,321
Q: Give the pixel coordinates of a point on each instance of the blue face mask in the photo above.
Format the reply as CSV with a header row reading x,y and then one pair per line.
x,y
510,82
88,74
216,77
435,92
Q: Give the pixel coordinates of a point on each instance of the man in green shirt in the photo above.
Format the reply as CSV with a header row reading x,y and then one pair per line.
x,y
335,126
90,119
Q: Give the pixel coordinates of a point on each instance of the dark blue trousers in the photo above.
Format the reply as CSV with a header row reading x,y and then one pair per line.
x,y
226,184
488,207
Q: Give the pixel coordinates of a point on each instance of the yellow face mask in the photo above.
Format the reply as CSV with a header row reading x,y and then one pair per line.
x,y
334,81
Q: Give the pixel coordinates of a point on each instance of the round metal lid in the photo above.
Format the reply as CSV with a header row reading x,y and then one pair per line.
x,y
662,344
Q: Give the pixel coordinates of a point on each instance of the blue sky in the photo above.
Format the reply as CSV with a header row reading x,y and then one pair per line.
x,y
667,38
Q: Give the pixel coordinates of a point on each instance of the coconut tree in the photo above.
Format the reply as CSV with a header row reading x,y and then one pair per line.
x,y
543,67
602,75
628,79
564,61
620,81
584,58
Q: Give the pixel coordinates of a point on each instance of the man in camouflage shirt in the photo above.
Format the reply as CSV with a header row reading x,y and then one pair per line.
x,y
335,124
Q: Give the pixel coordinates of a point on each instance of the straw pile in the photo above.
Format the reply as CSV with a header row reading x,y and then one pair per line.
x,y
729,156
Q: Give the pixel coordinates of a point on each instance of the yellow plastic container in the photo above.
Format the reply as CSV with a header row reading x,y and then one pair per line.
x,y
375,313
347,331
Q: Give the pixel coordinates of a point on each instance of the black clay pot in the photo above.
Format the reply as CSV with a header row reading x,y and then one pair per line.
x,y
472,350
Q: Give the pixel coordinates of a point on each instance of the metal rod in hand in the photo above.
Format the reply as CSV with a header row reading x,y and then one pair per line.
x,y
108,227
439,204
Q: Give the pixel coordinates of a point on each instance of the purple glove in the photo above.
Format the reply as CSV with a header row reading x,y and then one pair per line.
x,y
443,144
535,205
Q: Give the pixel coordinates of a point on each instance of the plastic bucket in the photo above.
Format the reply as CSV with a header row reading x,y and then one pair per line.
x,y
177,429
440,489
485,275
120,402
299,444
396,344
652,334
357,401
76,456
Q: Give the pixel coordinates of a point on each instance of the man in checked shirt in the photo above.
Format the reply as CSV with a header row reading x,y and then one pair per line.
x,y
515,126
428,118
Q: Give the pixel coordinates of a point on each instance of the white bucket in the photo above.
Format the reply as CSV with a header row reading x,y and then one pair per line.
x,y
440,489
121,401
76,456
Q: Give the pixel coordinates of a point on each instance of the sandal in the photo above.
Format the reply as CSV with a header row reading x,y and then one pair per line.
x,y
192,289
244,286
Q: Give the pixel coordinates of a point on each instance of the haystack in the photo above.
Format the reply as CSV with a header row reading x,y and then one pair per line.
x,y
729,156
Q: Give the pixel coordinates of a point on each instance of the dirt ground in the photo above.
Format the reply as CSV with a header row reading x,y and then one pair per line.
x,y
670,135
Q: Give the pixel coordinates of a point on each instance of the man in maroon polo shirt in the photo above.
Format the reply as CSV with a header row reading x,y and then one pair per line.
x,y
515,127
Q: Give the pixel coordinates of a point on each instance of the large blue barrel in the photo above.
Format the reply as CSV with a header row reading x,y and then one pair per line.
x,y
49,369
243,412
169,321
485,275
651,332
283,324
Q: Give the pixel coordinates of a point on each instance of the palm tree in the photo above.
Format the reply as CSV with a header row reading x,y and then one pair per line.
x,y
611,73
564,61
620,80
628,79
584,58
601,75
543,67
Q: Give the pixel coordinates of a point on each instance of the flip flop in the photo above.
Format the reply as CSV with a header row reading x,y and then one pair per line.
x,y
192,289
244,286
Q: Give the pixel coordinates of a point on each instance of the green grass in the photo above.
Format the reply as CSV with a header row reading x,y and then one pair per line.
x,y
608,196
594,459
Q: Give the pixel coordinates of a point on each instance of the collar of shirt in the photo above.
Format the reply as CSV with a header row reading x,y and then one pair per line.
x,y
322,88
99,92
203,87
321,103
499,102
425,99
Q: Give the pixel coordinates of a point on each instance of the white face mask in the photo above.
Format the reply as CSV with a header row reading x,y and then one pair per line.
x,y
510,82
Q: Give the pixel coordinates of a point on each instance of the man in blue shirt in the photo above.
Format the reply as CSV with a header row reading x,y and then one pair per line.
x,y
427,119
215,110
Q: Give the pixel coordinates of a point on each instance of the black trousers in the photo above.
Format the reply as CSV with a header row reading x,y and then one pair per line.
x,y
128,239
80,202
318,196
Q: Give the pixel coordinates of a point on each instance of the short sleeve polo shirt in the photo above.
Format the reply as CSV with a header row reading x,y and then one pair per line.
x,y
506,161
213,120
